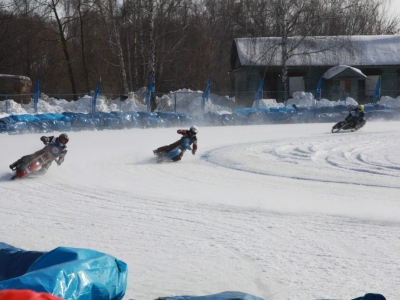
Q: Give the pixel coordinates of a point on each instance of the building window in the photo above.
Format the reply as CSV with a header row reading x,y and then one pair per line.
x,y
296,84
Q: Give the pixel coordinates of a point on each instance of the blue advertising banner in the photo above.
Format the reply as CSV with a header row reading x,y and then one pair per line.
x,y
377,92
36,96
318,91
206,94
259,94
148,96
96,94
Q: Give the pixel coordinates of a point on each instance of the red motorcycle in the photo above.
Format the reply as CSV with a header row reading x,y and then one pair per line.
x,y
34,165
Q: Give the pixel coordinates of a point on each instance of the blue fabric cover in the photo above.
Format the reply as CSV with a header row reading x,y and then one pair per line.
x,y
220,296
15,262
80,121
53,117
244,111
386,114
126,119
371,297
24,118
73,274
265,109
104,120
44,123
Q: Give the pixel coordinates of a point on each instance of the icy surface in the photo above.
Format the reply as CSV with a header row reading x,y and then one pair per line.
x,y
277,211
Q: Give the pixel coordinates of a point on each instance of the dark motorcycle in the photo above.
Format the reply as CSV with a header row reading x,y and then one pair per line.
x,y
347,124
34,165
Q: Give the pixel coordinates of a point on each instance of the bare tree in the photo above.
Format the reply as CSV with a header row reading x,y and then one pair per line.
x,y
69,44
109,13
60,12
83,9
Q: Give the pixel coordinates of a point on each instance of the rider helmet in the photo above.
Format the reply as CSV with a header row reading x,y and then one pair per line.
x,y
360,107
63,138
193,130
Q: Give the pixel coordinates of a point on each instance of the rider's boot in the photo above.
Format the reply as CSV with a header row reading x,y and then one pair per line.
x,y
14,165
19,163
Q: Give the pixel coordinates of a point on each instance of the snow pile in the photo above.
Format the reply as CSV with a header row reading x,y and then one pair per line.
x,y
389,101
303,99
190,102
82,105
187,101
13,107
184,101
267,103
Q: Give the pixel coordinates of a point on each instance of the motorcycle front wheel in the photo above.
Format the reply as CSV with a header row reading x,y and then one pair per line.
x,y
338,126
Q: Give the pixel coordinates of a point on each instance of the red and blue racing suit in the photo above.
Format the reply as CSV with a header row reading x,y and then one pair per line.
x,y
186,134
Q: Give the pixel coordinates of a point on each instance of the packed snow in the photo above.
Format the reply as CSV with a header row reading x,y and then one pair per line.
x,y
288,211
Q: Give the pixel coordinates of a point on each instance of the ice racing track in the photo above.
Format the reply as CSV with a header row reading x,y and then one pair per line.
x,y
341,158
278,211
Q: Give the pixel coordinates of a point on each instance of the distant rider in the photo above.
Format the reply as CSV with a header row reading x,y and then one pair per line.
x,y
359,117
57,149
189,134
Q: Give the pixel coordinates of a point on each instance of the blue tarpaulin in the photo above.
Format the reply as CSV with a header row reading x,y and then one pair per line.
x,y
370,296
220,296
52,117
24,118
69,273
15,262
18,124
244,296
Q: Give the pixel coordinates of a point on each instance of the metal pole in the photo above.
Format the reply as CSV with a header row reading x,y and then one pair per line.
x,y
6,104
175,101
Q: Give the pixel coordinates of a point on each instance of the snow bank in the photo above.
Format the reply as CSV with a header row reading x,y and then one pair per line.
x,y
303,99
389,101
187,101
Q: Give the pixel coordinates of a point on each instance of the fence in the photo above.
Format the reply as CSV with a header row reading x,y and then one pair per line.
x,y
181,101
178,102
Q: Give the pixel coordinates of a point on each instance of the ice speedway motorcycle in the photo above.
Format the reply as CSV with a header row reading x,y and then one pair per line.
x,y
34,165
170,155
347,124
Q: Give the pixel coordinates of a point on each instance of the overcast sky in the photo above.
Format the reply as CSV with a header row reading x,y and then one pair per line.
x,y
395,5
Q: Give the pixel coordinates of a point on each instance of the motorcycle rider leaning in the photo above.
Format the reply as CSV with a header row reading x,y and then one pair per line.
x,y
359,117
57,148
189,134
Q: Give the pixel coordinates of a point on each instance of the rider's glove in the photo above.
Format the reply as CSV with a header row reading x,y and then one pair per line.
x,y
193,152
44,140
